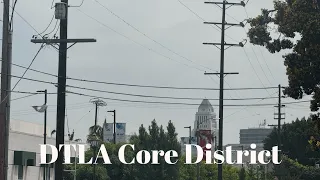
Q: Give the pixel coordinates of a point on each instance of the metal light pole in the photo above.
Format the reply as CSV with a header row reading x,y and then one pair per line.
x,y
189,127
43,108
114,125
45,129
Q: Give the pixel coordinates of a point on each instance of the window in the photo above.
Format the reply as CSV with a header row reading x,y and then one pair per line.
x,y
20,172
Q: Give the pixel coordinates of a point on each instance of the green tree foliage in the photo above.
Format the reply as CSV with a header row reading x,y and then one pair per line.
x,y
292,20
242,174
207,171
157,139
95,132
292,170
294,138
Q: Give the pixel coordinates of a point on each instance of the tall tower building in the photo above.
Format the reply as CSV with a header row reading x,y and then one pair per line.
x,y
206,118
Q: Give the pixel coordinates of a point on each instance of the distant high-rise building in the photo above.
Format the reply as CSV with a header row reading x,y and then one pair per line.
x,y
254,135
205,118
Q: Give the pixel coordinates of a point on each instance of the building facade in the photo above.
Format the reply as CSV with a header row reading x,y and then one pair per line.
x,y
254,135
24,152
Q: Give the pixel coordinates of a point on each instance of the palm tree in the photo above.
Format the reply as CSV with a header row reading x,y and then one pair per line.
x,y
71,136
95,132
52,132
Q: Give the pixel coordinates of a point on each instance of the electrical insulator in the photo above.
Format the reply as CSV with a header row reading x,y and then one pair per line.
x,y
61,10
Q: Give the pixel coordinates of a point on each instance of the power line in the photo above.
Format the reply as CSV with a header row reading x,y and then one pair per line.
x,y
259,49
48,25
173,103
143,46
24,71
36,55
144,34
202,19
140,95
247,107
78,5
144,86
23,97
54,28
254,70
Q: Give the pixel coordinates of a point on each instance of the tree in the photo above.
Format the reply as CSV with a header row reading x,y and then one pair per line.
x,y
207,171
292,170
157,139
242,174
294,138
95,132
289,20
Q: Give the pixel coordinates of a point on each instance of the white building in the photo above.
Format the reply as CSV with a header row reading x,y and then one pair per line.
x,y
205,119
24,151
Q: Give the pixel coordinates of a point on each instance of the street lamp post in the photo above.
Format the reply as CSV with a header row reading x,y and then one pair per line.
x,y
189,127
114,125
43,109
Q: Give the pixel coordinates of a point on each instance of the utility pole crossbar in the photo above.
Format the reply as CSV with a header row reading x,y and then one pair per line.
x,y
222,74
61,13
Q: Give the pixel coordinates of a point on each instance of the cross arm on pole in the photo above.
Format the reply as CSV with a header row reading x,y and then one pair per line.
x,y
225,74
242,3
225,44
54,41
241,24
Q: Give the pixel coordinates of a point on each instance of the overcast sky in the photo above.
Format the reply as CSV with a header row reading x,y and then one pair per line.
x,y
124,55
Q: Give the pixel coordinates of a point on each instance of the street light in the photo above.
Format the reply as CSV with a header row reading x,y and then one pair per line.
x,y
114,125
42,109
189,127
94,144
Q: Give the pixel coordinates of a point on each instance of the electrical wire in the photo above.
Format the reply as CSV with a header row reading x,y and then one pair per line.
x,y
259,49
78,5
54,28
140,95
23,97
161,87
47,26
143,46
173,103
21,77
245,108
147,36
135,85
255,70
199,17
11,21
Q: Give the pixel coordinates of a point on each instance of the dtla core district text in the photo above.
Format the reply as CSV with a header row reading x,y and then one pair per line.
x,y
170,157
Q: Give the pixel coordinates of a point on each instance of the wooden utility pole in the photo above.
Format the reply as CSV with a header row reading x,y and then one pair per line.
x,y
61,13
5,90
222,74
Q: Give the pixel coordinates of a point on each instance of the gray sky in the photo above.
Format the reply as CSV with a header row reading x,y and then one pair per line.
x,y
114,58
